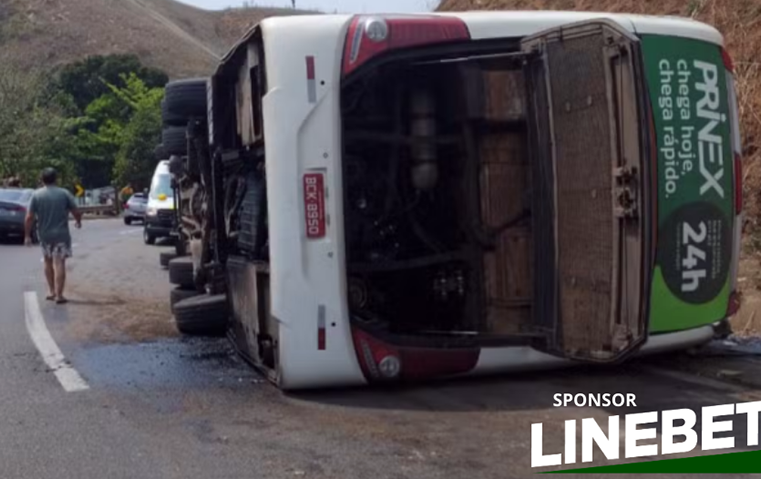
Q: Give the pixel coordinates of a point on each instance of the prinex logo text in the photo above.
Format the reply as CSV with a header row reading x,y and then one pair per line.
x,y
710,143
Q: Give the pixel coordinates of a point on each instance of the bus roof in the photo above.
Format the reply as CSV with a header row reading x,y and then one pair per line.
x,y
486,24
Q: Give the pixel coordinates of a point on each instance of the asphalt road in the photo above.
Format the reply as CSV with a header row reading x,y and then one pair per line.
x,y
161,406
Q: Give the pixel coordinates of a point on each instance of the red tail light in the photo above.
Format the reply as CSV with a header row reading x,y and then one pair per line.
x,y
738,183
728,63
381,361
126,206
370,36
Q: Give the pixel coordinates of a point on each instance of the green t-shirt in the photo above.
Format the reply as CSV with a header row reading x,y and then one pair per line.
x,y
51,205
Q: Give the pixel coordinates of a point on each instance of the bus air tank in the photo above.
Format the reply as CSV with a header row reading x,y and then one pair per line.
x,y
425,172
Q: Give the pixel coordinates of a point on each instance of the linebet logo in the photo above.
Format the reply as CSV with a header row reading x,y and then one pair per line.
x,y
635,435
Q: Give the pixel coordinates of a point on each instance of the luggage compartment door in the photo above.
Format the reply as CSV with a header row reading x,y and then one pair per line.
x,y
585,126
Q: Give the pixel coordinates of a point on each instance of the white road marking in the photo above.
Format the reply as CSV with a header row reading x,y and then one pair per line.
x,y
46,345
130,232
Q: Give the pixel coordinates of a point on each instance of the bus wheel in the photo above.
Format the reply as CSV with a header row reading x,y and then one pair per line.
x,y
165,257
179,294
174,140
181,272
202,314
185,99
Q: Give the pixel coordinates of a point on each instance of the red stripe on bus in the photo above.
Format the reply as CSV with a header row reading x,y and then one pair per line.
x,y
310,68
321,339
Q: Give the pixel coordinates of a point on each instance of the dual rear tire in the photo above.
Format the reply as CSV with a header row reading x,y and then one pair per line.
x,y
184,101
195,313
199,314
165,257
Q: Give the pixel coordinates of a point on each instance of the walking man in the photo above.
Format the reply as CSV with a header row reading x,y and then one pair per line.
x,y
50,207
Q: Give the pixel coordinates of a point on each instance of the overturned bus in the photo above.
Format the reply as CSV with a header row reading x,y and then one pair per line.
x,y
397,198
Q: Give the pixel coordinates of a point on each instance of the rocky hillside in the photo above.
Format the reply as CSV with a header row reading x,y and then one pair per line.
x,y
179,39
739,22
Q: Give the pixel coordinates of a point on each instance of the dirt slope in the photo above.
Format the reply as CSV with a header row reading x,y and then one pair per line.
x,y
180,39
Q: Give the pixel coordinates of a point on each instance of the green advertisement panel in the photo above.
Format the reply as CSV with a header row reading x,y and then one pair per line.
x,y
687,86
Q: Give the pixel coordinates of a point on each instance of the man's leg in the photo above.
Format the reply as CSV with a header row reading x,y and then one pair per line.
x,y
50,277
59,263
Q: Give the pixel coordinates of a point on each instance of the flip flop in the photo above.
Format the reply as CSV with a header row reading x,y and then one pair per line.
x,y
50,298
61,301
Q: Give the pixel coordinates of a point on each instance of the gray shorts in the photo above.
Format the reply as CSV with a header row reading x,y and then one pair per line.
x,y
56,250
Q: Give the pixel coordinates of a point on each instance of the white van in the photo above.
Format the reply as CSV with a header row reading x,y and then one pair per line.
x,y
159,212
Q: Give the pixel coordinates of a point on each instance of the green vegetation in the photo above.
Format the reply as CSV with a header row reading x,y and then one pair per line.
x,y
135,160
97,121
31,125
89,79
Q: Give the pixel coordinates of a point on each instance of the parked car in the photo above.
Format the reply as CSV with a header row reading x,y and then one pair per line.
x,y
134,208
14,203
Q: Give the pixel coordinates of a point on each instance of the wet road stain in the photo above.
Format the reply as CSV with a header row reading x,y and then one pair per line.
x,y
174,363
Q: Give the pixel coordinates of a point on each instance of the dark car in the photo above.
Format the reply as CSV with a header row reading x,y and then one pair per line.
x,y
14,203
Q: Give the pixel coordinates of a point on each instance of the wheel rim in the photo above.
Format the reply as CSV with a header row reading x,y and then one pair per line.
x,y
145,236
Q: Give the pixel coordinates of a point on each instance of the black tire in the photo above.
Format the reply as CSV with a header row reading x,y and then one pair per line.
x,y
186,99
148,238
179,294
165,257
181,272
252,235
171,119
128,221
175,140
202,315
160,153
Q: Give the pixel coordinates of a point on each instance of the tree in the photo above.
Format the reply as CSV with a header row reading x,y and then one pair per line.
x,y
90,135
106,126
135,159
30,126
88,79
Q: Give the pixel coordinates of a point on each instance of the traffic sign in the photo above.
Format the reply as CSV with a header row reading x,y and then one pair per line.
x,y
80,191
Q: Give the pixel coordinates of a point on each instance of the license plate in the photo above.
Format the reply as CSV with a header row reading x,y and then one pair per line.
x,y
7,213
314,205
